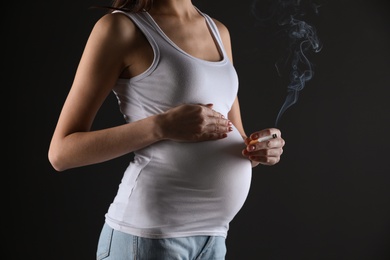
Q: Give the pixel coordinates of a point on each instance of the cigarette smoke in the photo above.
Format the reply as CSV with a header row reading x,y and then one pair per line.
x,y
300,37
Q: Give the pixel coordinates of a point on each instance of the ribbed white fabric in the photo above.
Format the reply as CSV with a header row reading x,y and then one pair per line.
x,y
175,189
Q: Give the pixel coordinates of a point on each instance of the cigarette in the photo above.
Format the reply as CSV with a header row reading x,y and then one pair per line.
x,y
264,138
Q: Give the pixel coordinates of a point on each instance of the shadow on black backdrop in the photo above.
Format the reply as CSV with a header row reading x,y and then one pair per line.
x,y
327,199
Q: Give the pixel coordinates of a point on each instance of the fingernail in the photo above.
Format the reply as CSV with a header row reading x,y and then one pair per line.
x,y
230,129
230,123
251,148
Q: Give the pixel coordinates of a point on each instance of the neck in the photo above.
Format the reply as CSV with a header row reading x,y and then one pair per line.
x,y
179,8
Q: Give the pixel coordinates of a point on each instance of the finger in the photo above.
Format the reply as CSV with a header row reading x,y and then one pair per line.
x,y
268,144
262,139
214,114
265,160
211,136
210,112
262,159
265,133
218,129
219,125
222,122
277,152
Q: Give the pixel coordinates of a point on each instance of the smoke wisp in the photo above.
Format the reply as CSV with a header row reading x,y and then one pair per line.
x,y
300,38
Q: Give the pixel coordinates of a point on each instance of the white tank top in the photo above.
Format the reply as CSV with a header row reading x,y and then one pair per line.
x,y
176,189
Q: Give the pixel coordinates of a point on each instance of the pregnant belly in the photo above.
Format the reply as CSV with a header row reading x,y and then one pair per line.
x,y
208,180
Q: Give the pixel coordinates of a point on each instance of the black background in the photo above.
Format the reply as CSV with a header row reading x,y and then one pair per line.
x,y
328,198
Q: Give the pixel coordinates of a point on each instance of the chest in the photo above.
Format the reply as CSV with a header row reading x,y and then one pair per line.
x,y
194,38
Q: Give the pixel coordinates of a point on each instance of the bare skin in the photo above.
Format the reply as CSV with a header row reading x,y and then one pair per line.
x,y
117,49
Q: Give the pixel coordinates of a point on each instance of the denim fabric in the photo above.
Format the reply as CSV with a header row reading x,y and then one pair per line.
x,y
116,245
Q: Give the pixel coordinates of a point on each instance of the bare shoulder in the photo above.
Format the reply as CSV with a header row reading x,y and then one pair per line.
x,y
115,26
223,30
225,36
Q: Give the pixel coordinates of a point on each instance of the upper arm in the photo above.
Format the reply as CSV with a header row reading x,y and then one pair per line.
x,y
100,65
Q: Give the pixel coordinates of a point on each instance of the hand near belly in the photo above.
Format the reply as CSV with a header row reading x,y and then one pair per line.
x,y
265,152
193,123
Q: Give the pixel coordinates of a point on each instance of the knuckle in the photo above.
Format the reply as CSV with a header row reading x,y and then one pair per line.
x,y
199,110
198,137
269,162
268,131
198,129
201,121
214,136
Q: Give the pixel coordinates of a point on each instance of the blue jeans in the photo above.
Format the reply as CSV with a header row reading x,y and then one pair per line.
x,y
116,245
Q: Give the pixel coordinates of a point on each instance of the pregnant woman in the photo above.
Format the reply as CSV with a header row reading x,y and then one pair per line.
x,y
170,67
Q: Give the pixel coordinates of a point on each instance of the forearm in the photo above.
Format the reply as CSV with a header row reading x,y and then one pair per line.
x,y
86,148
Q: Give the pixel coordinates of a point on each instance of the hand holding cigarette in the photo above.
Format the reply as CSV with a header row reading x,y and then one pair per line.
x,y
258,151
263,138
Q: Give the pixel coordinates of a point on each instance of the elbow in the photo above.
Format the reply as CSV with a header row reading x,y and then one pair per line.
x,y
56,161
